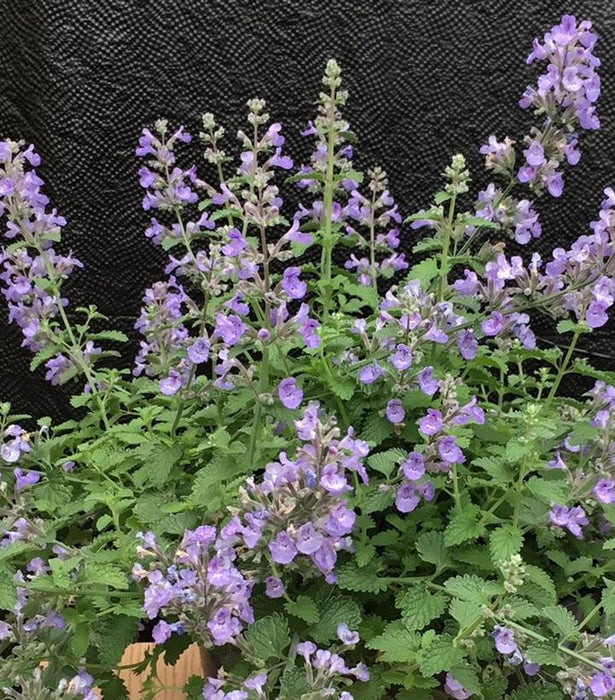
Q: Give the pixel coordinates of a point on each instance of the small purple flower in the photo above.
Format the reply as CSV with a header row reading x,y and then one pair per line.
x,y
309,540
25,479
467,344
455,689
230,328
292,285
198,352
450,451
407,498
414,466
370,373
283,549
504,640
402,357
602,684
427,382
395,411
256,683
494,324
274,587
289,393
596,315
346,635
604,491
530,669
431,423
172,384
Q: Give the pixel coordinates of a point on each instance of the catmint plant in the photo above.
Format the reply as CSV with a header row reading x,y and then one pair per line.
x,y
355,478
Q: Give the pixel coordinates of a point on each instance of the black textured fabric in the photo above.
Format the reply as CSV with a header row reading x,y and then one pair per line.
x,y
80,78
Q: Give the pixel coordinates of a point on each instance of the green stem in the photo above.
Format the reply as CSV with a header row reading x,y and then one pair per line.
x,y
562,370
561,647
446,244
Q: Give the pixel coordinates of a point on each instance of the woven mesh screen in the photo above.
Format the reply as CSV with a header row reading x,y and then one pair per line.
x,y
80,78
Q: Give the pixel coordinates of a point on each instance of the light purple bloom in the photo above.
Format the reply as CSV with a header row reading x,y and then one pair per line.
x,y
431,423
274,587
198,352
292,285
407,498
172,384
283,549
455,689
602,684
604,491
309,540
395,412
290,393
414,466
346,635
402,358
450,451
504,639
427,382
370,373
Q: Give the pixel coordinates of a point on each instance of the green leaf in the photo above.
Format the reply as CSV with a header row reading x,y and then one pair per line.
x,y
441,655
376,429
386,462
547,490
397,644
430,547
105,575
425,271
473,589
269,637
361,580
304,608
608,600
464,673
114,689
544,653
504,542
114,633
8,592
116,336
567,326
375,499
334,611
561,619
537,691
464,525
466,613
540,578
419,607
159,461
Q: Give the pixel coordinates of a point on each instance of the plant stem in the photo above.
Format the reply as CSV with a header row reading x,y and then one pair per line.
x,y
562,369
446,244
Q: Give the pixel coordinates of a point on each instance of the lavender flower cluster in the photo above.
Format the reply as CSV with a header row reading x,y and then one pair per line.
x,y
298,515
326,673
199,585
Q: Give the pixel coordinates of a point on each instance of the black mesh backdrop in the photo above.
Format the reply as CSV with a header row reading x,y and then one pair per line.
x,y
80,78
